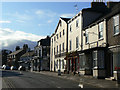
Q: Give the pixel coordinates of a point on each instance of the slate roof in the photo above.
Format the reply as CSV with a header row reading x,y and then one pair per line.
x,y
112,11
31,53
16,52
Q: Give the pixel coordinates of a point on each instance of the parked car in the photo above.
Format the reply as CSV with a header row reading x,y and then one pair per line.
x,y
21,68
13,68
7,68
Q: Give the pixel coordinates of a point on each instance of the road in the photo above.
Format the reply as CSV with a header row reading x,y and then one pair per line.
x,y
22,79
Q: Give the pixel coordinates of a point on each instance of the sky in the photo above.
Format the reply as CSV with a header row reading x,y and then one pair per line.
x,y
33,20
39,18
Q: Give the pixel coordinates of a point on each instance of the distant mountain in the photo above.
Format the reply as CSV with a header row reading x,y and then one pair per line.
x,y
20,43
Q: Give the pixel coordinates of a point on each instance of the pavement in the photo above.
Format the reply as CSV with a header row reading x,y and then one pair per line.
x,y
84,79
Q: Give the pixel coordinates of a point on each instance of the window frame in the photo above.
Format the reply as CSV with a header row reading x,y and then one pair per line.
x,y
86,37
77,23
114,26
77,42
70,45
100,30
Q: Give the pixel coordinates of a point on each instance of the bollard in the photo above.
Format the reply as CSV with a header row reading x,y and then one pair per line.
x,y
59,72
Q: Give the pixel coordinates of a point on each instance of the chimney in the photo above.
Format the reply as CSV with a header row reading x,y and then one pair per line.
x,y
111,4
98,4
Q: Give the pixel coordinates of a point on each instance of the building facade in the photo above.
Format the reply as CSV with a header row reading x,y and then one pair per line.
x,y
14,58
94,49
59,46
113,33
85,17
25,60
41,60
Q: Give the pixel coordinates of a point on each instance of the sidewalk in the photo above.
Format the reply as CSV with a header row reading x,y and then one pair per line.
x,y
100,83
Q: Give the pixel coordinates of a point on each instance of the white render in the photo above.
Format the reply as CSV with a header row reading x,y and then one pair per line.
x,y
54,44
93,37
76,32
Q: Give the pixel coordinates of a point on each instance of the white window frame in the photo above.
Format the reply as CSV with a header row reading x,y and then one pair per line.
x,y
86,37
116,24
70,45
100,30
77,23
77,42
63,46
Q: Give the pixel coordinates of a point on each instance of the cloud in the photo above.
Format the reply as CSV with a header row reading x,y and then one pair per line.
x,y
45,13
5,21
8,36
49,21
38,12
20,21
67,15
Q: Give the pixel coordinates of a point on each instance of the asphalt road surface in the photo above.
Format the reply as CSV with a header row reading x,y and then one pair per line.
x,y
22,79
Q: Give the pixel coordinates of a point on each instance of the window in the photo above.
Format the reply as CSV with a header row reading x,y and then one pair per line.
x,y
63,47
54,38
52,41
63,31
57,63
57,36
54,50
60,23
60,48
70,28
57,49
116,24
95,59
77,23
77,42
70,45
101,59
62,64
86,37
60,34
100,30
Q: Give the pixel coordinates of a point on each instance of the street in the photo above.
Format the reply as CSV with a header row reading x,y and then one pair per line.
x,y
22,79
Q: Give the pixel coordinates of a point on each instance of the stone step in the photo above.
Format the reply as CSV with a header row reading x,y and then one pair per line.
x,y
110,78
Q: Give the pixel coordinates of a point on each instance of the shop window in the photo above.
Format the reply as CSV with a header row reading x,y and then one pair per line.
x,y
101,59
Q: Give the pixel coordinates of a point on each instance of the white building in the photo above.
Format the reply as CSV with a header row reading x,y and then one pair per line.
x,y
59,46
